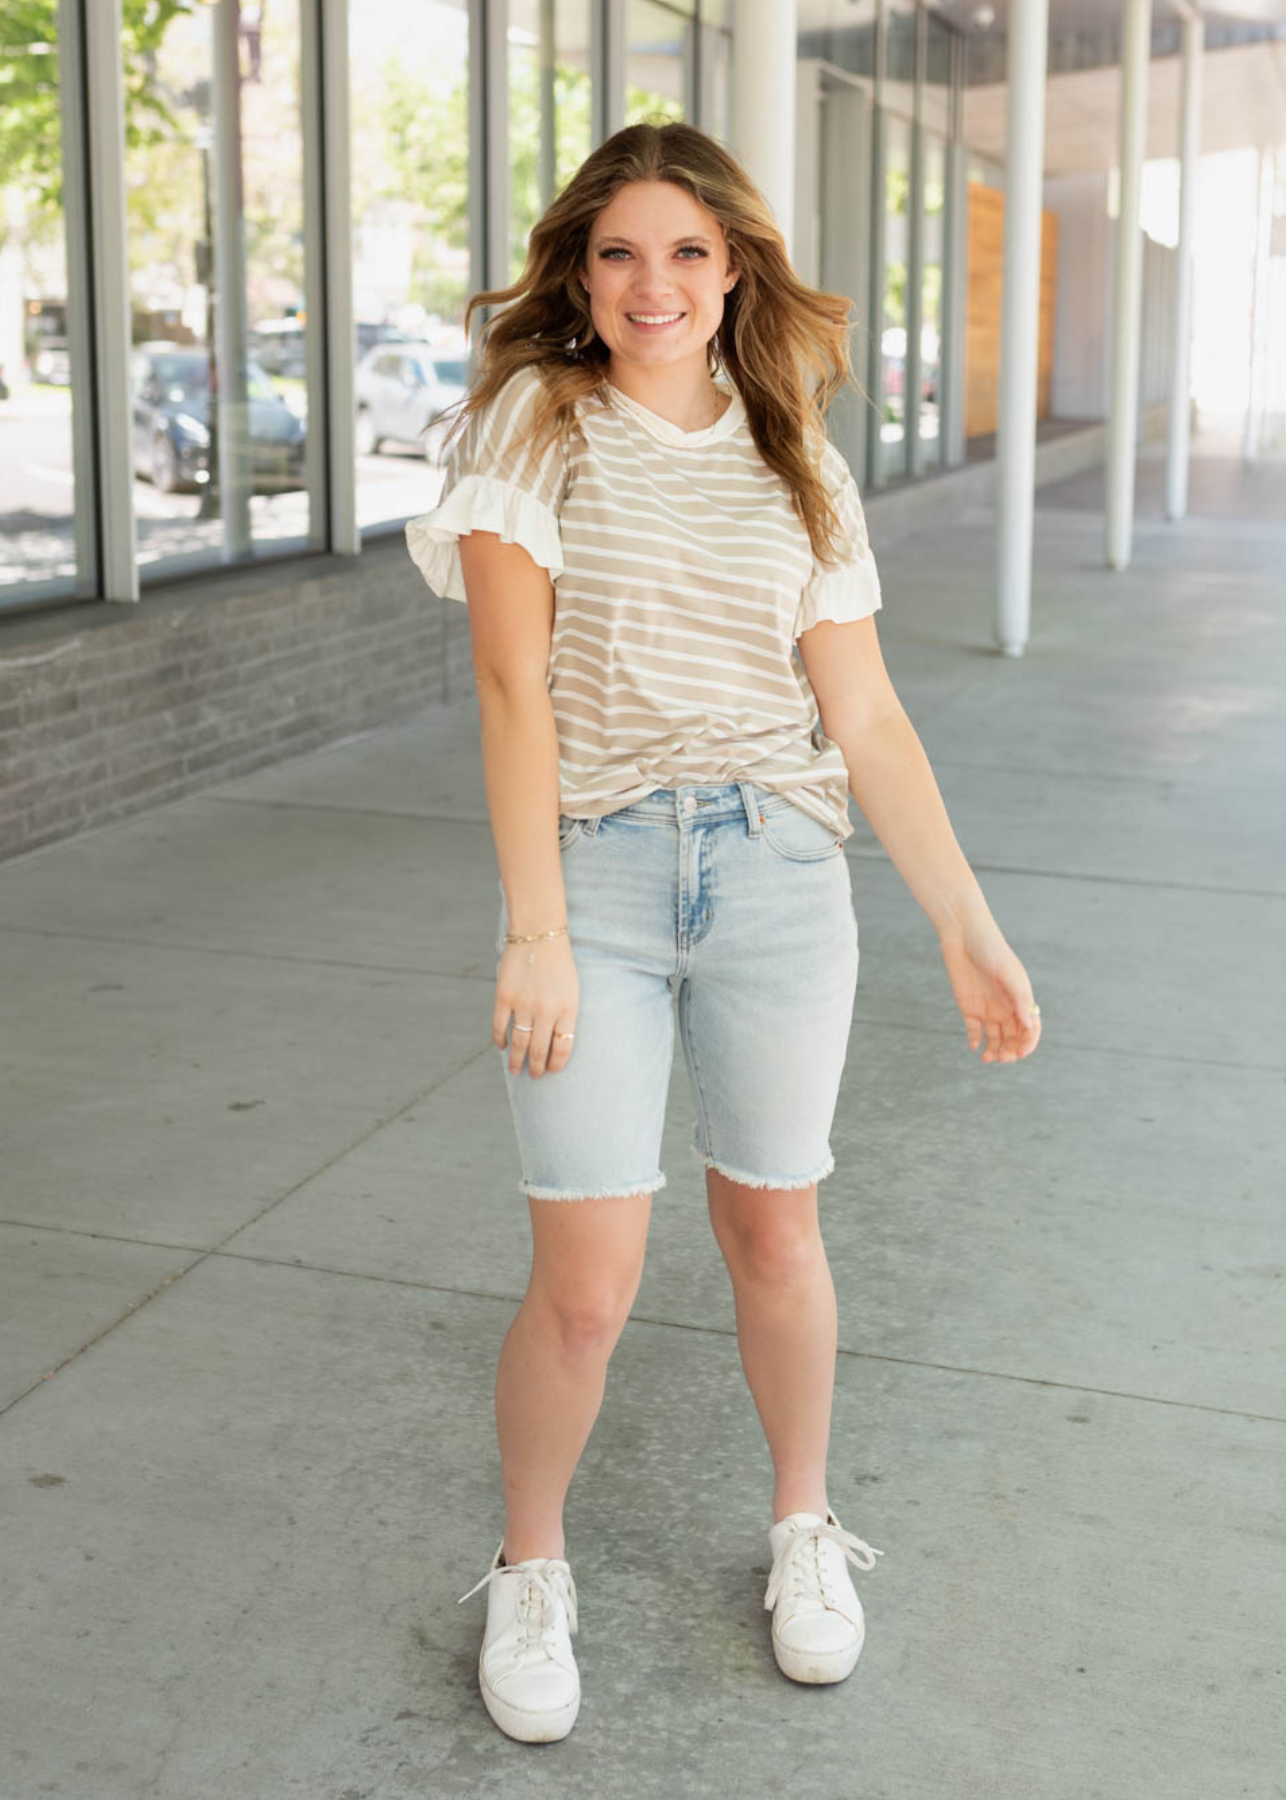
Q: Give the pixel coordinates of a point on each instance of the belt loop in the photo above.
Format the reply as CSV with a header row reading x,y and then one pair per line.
x,y
592,825
750,801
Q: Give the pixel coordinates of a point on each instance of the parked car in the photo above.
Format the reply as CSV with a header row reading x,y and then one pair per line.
x,y
370,332
171,421
277,345
401,389
52,363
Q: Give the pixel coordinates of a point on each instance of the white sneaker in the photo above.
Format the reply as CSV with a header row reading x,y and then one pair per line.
x,y
526,1668
818,1627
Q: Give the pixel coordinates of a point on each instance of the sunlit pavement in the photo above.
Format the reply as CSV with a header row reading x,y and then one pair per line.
x,y
264,1239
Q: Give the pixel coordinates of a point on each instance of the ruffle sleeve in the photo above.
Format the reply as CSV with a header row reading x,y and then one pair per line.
x,y
494,482
851,588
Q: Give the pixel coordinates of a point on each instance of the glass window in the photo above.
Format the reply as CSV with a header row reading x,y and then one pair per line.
x,y
841,32
549,109
897,84
893,319
931,315
409,75
658,61
214,177
37,483
935,95
714,113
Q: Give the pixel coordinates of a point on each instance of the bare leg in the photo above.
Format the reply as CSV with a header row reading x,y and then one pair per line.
x,y
586,1266
786,1327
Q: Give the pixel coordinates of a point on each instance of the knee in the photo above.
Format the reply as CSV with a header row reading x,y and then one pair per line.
x,y
587,1316
771,1252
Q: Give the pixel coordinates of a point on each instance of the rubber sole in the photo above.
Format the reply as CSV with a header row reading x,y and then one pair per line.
x,y
816,1666
528,1727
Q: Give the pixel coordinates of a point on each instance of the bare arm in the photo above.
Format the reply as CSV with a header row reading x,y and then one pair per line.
x,y
893,783
511,611
889,773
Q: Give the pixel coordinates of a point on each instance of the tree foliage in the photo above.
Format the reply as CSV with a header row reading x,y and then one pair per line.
x,y
30,72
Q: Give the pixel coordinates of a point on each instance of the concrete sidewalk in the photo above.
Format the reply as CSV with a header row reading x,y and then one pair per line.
x,y
263,1238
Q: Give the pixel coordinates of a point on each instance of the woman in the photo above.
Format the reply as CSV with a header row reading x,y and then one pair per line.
x,y
647,521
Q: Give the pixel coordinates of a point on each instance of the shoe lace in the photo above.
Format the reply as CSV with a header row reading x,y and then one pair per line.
x,y
543,1581
798,1566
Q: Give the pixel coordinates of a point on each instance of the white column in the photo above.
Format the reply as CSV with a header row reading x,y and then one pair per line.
x,y
763,103
1123,422
1020,321
1176,467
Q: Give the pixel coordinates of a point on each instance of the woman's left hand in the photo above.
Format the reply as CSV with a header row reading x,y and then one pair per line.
x,y
992,991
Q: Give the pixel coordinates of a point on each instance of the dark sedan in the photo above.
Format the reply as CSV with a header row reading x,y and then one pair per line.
x,y
171,422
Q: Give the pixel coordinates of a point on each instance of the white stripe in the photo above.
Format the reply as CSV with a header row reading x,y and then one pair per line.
x,y
770,634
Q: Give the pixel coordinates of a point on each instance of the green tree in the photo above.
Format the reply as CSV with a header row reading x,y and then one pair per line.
x,y
30,113
426,163
571,144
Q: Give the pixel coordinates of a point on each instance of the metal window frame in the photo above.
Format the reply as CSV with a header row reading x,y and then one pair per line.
x,y
954,295
96,208
488,150
913,459
331,352
86,530
607,53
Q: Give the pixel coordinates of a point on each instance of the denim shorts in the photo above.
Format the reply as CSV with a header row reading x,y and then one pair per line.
x,y
730,905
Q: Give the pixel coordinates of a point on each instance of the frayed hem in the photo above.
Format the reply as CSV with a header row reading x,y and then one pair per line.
x,y
534,1192
743,1178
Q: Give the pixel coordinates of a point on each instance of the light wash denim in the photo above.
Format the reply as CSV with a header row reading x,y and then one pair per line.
x,y
733,903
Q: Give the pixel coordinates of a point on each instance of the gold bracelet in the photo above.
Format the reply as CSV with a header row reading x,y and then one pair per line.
x,y
531,937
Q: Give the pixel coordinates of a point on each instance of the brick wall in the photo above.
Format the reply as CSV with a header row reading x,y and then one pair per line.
x,y
107,708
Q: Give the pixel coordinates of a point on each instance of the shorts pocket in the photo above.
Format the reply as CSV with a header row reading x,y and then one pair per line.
x,y
797,836
569,829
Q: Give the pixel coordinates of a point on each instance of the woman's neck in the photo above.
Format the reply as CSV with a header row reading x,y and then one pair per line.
x,y
675,401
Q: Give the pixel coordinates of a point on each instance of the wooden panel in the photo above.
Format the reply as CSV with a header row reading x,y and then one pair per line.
x,y
985,264
983,305
1048,303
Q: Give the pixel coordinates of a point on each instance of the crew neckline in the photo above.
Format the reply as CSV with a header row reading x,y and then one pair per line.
x,y
669,433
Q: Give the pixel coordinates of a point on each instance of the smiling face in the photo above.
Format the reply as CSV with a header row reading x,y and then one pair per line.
x,y
656,273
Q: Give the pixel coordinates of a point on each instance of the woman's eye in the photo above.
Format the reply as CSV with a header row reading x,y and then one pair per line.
x,y
619,250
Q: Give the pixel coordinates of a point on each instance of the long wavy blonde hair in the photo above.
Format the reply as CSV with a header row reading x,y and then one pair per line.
x,y
782,343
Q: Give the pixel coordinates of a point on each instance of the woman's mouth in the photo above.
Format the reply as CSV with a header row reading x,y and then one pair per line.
x,y
654,321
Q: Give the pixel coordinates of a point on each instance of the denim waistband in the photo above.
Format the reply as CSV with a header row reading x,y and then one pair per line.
x,y
705,801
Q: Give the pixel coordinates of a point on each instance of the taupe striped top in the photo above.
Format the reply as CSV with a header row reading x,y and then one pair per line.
x,y
682,577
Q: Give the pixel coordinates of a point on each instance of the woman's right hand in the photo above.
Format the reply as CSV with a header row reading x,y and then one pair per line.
x,y
536,984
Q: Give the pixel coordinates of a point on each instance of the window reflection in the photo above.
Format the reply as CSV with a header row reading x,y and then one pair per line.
x,y
549,109
37,484
893,328
214,175
409,99
931,315
658,62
